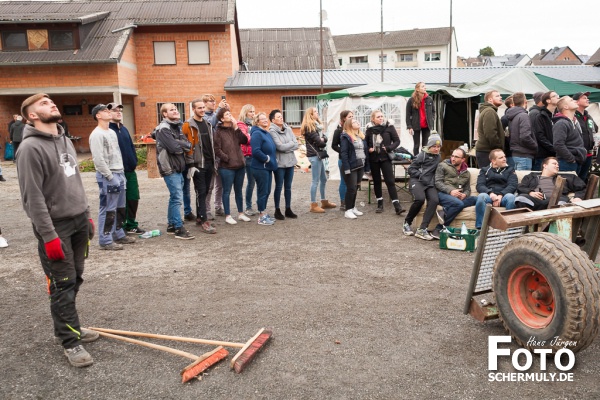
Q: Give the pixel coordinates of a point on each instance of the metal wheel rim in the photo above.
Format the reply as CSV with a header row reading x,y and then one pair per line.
x,y
531,297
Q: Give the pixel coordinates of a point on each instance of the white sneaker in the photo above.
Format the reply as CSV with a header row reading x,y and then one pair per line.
x,y
356,212
350,214
230,220
242,217
3,242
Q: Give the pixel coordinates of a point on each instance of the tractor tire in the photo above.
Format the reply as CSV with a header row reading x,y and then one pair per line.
x,y
546,289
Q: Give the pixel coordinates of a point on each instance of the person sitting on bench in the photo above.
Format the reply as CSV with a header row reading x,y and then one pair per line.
x,y
535,189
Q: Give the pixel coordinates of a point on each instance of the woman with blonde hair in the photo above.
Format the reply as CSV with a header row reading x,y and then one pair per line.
x,y
420,116
316,143
354,160
245,122
382,139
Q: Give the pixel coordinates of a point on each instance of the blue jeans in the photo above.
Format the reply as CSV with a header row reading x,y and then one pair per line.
x,y
318,178
537,164
343,187
283,180
110,225
264,179
522,163
175,185
507,201
250,182
235,178
453,206
564,166
187,200
584,170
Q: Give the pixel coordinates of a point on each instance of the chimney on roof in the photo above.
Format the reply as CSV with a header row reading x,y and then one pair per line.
x,y
543,52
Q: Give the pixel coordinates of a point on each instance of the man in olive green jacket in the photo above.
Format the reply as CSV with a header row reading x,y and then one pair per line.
x,y
490,132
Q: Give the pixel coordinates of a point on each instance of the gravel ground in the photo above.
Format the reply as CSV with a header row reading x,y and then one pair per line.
x,y
358,311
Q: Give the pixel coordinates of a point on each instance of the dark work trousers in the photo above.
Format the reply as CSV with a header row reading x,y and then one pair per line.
x,y
483,159
64,277
132,197
352,180
421,193
423,135
202,180
385,167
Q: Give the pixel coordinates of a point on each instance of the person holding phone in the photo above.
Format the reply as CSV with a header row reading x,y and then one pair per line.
x,y
382,139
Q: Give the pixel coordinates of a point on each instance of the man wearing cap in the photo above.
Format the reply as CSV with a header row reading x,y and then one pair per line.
x,y
106,155
537,104
130,160
422,186
541,125
54,199
566,136
489,128
588,129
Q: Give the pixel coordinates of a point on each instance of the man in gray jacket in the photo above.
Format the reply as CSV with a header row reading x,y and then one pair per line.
x,y
47,170
110,176
522,140
170,146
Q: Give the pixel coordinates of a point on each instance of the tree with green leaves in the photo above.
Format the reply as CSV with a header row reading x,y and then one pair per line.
x,y
486,51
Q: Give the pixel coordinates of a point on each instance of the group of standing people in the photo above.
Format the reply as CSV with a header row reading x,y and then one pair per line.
x,y
554,126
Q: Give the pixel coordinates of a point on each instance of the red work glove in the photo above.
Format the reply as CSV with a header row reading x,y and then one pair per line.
x,y
54,250
91,229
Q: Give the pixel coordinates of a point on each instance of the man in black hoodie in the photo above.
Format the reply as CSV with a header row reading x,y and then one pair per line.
x,y
588,129
566,132
541,125
47,170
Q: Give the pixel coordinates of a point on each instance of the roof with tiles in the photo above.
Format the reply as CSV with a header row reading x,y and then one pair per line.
x,y
286,49
395,39
99,19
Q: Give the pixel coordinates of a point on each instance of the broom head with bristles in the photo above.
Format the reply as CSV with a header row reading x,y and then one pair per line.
x,y
247,354
203,363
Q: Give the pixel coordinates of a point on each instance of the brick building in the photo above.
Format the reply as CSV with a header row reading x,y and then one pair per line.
x,y
138,53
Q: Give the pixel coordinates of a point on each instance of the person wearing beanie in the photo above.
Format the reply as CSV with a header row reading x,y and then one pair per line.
x,y
422,187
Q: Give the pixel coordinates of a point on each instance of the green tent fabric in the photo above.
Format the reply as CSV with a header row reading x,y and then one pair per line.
x,y
564,88
379,89
507,83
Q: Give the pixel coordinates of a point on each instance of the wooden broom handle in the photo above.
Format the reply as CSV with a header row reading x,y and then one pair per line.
x,y
152,346
167,337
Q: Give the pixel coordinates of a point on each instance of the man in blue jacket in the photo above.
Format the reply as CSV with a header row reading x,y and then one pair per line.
x,y
130,160
496,185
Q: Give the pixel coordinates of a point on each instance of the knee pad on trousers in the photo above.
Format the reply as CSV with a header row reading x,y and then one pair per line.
x,y
121,216
109,222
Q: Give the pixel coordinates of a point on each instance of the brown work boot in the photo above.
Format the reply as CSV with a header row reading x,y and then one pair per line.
x,y
314,207
328,204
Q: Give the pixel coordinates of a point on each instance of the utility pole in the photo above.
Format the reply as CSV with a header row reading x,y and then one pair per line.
x,y
321,39
381,55
450,49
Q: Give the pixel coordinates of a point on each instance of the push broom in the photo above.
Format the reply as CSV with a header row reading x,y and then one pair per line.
x,y
247,352
199,365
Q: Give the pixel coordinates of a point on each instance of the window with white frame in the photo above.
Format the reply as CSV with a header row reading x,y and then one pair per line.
x,y
164,53
384,58
180,108
362,113
198,52
293,108
433,56
359,60
405,57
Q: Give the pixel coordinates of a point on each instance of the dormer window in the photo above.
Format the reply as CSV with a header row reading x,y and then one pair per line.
x,y
14,41
61,40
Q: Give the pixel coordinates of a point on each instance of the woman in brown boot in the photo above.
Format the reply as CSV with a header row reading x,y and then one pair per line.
x,y
316,143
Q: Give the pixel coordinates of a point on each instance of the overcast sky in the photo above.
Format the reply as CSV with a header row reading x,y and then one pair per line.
x,y
508,26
